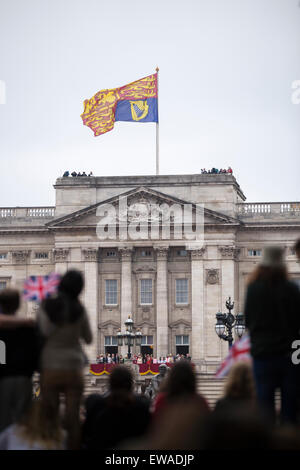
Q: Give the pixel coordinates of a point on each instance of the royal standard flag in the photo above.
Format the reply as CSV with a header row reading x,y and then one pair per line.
x,y
136,102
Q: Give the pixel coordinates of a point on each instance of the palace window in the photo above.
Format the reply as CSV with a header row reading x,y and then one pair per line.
x,y
182,340
3,255
146,291
3,285
254,252
41,255
181,252
111,341
111,292
145,253
147,341
182,291
111,254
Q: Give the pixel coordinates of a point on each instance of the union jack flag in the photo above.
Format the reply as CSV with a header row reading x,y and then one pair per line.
x,y
240,351
39,287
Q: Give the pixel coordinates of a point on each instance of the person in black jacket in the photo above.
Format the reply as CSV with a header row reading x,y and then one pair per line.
x,y
119,416
22,344
272,316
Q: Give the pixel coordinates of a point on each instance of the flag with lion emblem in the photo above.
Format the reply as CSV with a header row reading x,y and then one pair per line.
x,y
135,102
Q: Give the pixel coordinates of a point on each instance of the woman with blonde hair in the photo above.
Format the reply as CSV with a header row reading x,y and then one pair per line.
x,y
36,430
239,388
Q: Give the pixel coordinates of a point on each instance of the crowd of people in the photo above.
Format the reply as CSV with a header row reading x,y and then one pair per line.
x,y
75,175
175,415
140,358
216,171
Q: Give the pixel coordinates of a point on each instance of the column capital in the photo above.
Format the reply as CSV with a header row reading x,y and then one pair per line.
x,y
61,254
89,254
161,252
229,252
198,253
125,252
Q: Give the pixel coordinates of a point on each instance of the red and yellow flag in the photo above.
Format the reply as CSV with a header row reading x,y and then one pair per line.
x,y
137,97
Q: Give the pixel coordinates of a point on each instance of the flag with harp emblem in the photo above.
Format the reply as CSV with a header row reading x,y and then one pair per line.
x,y
135,102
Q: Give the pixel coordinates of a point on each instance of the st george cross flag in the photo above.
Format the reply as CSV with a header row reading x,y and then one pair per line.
x,y
240,351
135,102
40,287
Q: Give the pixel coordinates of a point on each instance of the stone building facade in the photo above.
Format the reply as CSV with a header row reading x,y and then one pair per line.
x,y
141,263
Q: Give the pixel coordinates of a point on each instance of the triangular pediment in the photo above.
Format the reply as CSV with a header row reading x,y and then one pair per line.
x,y
180,322
145,323
109,323
143,205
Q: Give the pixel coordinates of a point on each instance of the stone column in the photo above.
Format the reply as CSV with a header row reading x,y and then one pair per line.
x,y
229,255
21,260
198,333
162,320
91,292
126,289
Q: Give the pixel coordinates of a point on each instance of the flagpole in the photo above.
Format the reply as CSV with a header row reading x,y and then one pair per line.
x,y
157,131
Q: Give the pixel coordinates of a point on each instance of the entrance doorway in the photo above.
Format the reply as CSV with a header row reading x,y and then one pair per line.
x,y
146,350
111,350
182,350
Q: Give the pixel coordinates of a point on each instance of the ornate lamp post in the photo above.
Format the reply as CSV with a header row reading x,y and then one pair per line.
x,y
226,322
129,336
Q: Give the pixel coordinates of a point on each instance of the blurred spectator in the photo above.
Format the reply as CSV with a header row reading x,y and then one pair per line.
x,y
272,315
181,382
74,174
66,174
239,388
117,417
63,321
36,430
235,428
22,349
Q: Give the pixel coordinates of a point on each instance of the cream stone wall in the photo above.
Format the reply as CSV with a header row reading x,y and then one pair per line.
x,y
215,270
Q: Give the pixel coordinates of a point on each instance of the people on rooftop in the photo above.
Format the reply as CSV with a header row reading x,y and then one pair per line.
x,y
74,174
216,171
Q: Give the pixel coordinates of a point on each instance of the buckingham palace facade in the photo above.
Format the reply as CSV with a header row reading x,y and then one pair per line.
x,y
135,240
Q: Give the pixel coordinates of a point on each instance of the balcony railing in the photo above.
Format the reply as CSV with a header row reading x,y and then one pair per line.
x,y
30,212
262,208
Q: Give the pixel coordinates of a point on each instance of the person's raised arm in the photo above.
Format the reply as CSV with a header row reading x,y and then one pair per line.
x,y
12,321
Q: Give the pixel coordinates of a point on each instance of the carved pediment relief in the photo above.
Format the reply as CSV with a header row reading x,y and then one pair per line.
x,y
180,323
108,324
143,206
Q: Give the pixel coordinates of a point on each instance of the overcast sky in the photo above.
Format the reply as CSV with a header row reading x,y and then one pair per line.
x,y
225,91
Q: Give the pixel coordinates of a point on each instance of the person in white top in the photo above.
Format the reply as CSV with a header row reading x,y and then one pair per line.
x,y
64,323
36,430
